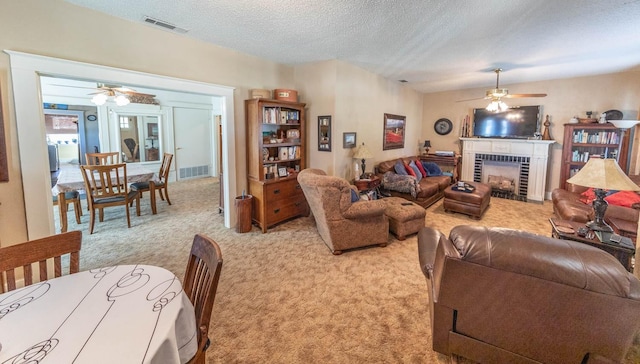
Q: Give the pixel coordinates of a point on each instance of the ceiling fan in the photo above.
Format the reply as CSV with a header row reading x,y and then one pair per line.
x,y
497,94
120,94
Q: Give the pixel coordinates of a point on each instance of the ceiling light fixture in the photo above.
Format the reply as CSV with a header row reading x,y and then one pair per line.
x,y
102,97
497,106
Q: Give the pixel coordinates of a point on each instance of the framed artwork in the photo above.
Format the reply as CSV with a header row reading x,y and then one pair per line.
x,y
4,166
348,140
282,172
324,133
393,137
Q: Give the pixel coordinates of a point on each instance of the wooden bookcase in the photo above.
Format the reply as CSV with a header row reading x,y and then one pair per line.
x,y
276,148
581,141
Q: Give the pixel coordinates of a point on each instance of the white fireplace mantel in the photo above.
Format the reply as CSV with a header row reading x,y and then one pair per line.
x,y
536,150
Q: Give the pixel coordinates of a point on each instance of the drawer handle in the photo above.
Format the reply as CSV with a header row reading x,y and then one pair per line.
x,y
276,211
275,192
298,187
297,204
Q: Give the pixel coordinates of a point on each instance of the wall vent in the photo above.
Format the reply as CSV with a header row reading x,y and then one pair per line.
x,y
164,25
192,172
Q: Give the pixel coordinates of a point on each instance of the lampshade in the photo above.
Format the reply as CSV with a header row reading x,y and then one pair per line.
x,y
362,152
427,144
605,174
624,124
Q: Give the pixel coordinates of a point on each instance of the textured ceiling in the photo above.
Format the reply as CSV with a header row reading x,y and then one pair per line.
x,y
434,45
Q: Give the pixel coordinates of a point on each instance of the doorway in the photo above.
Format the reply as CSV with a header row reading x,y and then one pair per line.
x,y
26,70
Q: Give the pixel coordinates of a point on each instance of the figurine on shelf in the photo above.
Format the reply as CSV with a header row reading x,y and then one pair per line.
x,y
546,135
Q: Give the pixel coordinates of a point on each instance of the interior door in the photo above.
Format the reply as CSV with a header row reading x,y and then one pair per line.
x,y
194,143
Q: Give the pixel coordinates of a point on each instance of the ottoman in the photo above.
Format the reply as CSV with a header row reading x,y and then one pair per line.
x,y
473,203
405,217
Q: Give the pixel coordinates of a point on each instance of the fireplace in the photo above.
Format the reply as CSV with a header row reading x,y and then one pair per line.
x,y
522,161
507,175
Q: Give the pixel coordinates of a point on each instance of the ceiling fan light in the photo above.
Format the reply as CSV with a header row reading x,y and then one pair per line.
x,y
99,99
497,92
497,106
122,100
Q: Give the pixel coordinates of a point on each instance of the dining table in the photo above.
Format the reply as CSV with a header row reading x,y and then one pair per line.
x,y
70,179
118,314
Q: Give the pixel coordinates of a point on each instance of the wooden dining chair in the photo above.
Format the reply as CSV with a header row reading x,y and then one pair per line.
x,y
106,186
160,186
21,256
200,284
94,159
71,198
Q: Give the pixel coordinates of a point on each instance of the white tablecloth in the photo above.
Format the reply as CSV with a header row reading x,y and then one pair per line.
x,y
70,179
121,314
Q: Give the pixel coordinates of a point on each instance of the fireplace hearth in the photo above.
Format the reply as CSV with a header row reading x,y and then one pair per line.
x,y
522,160
512,186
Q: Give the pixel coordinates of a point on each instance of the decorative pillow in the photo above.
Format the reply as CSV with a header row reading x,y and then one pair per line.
x,y
587,196
421,168
415,169
623,198
404,184
354,196
410,171
432,169
399,168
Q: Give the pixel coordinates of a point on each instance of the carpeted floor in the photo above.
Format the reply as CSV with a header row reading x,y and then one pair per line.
x,y
283,297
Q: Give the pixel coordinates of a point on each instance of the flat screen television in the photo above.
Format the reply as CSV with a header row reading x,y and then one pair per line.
x,y
517,122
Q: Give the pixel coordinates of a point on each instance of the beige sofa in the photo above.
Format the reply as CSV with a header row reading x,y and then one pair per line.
x,y
342,224
430,189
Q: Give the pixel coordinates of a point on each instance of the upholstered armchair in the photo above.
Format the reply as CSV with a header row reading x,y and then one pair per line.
x,y
343,224
505,296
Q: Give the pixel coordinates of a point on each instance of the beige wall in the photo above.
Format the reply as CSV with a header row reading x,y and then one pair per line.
x,y
566,98
357,101
58,29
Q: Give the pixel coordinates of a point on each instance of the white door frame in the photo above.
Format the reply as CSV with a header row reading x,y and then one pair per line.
x,y
36,180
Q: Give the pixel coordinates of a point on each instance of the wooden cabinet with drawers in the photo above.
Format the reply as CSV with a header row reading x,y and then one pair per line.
x,y
275,154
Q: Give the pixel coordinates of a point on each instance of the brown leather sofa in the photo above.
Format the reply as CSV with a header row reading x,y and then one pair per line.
x,y
342,224
567,206
505,296
431,188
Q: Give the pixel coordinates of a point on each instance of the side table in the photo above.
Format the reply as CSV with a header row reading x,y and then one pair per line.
x,y
368,186
560,229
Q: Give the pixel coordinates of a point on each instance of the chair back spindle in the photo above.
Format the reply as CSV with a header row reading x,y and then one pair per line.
x,y
21,257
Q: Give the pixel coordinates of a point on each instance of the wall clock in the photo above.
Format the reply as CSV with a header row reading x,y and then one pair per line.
x,y
443,126
92,117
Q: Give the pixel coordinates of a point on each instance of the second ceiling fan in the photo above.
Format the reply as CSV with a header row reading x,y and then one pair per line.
x,y
497,94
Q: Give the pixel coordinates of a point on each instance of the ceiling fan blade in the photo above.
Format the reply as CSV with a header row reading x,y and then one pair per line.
x,y
475,98
512,96
71,86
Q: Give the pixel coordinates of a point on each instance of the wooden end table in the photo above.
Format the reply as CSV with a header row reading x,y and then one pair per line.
x,y
367,186
622,253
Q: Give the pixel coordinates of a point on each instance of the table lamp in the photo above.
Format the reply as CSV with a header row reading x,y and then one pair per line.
x,y
426,146
363,153
602,174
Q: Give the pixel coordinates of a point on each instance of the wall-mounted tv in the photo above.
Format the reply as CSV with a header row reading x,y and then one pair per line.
x,y
516,122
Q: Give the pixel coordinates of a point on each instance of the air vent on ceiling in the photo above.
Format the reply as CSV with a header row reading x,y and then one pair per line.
x,y
164,24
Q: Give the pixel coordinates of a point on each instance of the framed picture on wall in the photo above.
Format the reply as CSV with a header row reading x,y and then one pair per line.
x,y
324,133
348,140
393,137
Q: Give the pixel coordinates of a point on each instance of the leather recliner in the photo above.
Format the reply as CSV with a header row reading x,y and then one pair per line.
x,y
505,296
